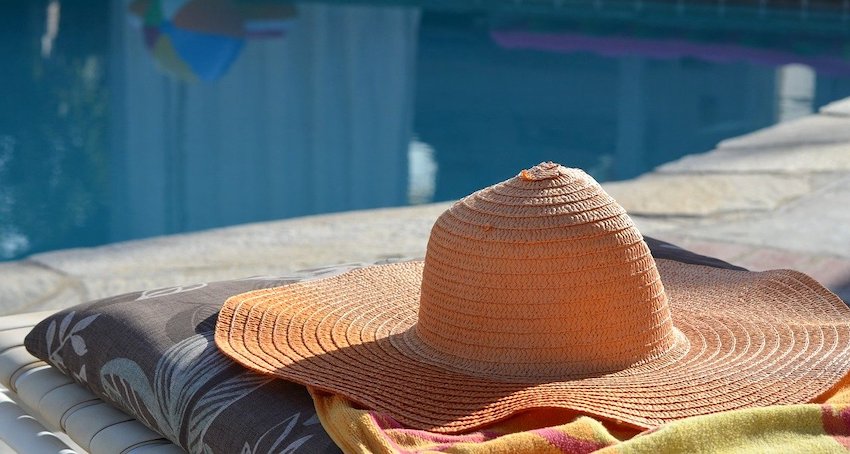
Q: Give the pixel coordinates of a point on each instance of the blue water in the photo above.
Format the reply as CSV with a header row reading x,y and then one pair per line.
x,y
118,122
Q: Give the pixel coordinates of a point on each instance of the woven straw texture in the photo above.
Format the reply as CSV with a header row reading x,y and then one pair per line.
x,y
540,292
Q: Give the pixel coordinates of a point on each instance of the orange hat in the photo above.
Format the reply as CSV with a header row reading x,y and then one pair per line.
x,y
540,292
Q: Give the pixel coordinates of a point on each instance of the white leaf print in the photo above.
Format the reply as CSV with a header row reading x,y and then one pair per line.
x,y
292,446
58,362
51,331
290,423
124,381
209,406
148,294
281,438
84,323
289,277
54,353
169,401
65,322
79,345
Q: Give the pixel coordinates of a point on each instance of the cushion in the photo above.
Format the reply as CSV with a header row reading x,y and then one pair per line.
x,y
152,354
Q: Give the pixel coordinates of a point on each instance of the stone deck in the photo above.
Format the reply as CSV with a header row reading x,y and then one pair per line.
x,y
776,198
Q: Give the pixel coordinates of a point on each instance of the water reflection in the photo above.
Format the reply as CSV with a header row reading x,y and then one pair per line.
x,y
53,128
200,39
51,28
422,173
824,53
157,117
317,122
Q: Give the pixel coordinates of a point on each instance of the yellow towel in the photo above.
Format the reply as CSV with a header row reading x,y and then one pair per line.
x,y
806,428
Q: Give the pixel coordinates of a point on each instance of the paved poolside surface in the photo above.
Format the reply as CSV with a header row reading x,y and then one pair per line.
x,y
776,198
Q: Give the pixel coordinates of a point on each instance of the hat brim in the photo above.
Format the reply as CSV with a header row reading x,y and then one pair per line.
x,y
745,339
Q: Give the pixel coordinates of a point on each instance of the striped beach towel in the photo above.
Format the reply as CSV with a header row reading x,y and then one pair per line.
x,y
817,427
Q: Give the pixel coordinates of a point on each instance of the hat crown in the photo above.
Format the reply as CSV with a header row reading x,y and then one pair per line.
x,y
541,276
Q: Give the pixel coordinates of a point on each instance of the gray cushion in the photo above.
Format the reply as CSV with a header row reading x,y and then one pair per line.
x,y
152,354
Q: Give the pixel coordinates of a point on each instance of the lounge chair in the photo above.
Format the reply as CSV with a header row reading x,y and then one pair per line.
x,y
44,411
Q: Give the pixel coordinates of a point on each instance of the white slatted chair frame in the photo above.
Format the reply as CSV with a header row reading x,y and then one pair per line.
x,y
44,411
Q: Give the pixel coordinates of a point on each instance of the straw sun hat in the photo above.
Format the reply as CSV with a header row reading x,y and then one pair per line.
x,y
540,292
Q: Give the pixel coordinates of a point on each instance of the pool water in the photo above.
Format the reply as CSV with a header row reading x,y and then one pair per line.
x,y
130,119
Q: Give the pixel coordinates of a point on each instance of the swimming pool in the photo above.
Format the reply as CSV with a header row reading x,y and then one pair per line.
x,y
131,119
